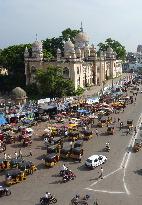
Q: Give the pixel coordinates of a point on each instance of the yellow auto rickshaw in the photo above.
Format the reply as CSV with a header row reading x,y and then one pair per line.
x,y
27,167
130,124
87,134
14,176
102,122
65,153
73,136
76,153
110,130
51,160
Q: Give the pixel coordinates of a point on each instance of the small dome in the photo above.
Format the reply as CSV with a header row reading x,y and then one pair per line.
x,y
18,93
58,50
68,46
109,50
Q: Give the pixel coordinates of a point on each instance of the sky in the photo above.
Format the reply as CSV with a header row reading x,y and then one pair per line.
x,y
20,20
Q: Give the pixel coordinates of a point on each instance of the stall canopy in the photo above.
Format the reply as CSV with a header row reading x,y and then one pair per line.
x,y
2,119
83,111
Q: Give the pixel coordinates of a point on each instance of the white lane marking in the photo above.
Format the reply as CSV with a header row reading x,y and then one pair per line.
x,y
106,191
105,176
123,164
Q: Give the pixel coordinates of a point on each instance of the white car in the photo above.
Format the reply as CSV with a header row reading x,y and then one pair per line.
x,y
95,161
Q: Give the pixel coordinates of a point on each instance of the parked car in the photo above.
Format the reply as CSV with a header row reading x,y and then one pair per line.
x,y
95,161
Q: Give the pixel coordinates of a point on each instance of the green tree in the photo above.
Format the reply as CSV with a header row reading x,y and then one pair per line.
x,y
116,46
52,44
52,84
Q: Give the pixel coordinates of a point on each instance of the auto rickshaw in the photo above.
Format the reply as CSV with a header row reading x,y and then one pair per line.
x,y
4,164
15,162
27,167
102,122
65,153
72,136
110,130
53,149
137,145
51,159
14,176
87,135
78,143
130,124
76,153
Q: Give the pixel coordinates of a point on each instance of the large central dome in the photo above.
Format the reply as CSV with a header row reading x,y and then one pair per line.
x,y
81,40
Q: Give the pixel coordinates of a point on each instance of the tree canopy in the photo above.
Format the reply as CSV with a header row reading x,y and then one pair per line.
x,y
116,46
51,83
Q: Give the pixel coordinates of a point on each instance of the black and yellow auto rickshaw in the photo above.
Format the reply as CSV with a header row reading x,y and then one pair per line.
x,y
14,176
76,153
130,124
102,122
4,164
14,163
137,145
87,134
65,153
53,149
27,167
78,143
72,136
110,130
51,160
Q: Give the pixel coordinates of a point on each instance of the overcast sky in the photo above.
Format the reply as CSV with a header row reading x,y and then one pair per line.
x,y
121,20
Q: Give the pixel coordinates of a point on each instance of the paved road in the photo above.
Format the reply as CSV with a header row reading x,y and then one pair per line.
x,y
115,188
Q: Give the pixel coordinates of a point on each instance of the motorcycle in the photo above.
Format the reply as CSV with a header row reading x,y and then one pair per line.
x,y
68,177
4,191
79,200
107,148
45,201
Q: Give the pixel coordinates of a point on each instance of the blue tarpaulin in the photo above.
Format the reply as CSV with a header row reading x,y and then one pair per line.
x,y
2,119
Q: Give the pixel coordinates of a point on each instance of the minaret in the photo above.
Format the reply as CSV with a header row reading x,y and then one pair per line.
x,y
26,53
81,28
58,54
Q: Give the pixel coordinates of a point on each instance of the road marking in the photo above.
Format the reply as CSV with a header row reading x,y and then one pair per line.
x,y
123,165
106,191
105,176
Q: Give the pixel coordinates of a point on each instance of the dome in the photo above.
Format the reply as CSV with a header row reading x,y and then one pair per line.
x,y
109,50
18,93
37,45
68,46
82,37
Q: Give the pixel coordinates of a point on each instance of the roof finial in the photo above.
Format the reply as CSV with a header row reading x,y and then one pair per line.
x,y
81,28
36,36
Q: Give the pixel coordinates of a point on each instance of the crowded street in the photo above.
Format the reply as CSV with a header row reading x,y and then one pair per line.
x,y
120,181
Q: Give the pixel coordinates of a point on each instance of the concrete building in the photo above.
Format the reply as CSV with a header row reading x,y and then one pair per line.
x,y
80,62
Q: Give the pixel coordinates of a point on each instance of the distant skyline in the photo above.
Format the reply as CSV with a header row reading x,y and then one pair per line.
x,y
20,20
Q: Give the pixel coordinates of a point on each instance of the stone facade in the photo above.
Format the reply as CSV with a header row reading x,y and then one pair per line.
x,y
80,62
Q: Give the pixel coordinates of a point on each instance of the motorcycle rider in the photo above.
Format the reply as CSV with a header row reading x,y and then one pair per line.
x,y
63,169
47,196
107,145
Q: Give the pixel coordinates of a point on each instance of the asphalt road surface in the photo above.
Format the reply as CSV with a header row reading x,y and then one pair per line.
x,y
122,172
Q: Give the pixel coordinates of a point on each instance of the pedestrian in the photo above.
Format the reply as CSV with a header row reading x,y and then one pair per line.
x,y
5,156
20,153
71,143
118,119
16,155
135,98
101,174
135,130
8,156
123,109
97,133
127,132
30,152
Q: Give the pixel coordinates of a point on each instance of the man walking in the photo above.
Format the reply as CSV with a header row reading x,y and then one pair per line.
x,y
97,133
101,174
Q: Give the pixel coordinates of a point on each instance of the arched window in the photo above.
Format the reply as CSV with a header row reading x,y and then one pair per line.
x,y
66,72
33,69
